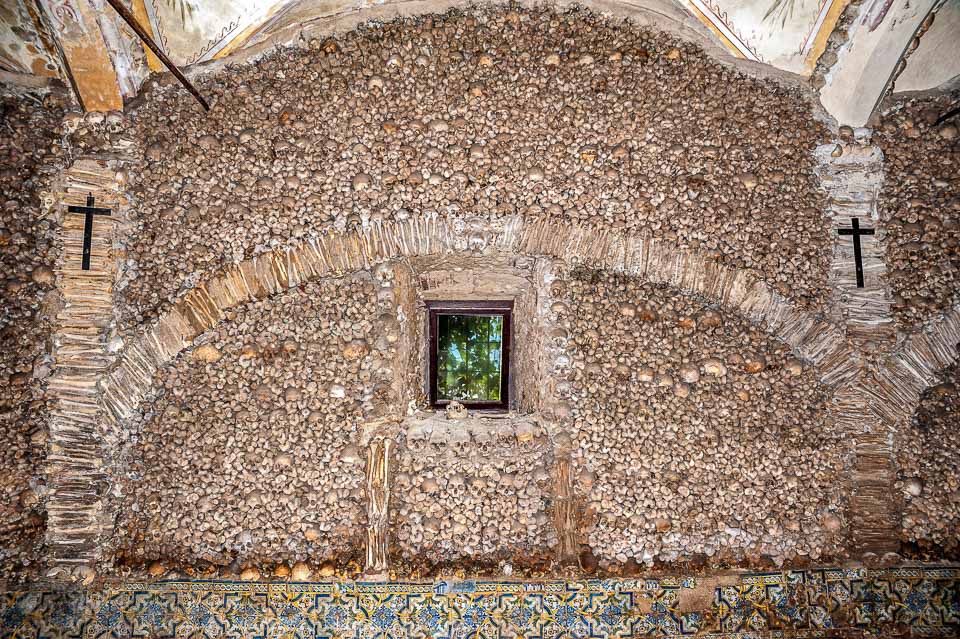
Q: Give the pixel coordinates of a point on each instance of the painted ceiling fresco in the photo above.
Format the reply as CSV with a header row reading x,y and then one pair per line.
x,y
22,49
782,33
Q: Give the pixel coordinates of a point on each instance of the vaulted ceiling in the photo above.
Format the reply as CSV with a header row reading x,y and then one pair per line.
x,y
855,52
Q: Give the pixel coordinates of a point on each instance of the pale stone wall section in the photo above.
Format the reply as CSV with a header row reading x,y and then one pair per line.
x,y
852,176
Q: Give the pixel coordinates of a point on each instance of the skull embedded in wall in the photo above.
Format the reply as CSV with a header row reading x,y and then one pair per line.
x,y
71,121
456,411
459,441
477,242
558,337
456,485
417,439
383,273
114,122
47,200
484,441
245,542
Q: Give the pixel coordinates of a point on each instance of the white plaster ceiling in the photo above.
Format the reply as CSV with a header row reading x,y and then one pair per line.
x,y
935,61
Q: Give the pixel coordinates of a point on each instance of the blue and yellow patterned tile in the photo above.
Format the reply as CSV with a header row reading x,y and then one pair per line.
x,y
806,603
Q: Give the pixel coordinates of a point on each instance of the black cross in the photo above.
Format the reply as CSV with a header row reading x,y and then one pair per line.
x,y
856,232
89,210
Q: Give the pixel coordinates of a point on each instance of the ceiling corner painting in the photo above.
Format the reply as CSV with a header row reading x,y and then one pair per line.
x,y
191,31
788,34
22,45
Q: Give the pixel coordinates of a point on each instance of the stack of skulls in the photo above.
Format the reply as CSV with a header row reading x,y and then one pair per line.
x,y
571,116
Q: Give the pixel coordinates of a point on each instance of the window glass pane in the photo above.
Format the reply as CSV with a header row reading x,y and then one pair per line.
x,y
469,357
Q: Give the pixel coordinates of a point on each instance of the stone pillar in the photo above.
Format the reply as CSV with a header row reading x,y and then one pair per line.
x,y
565,514
852,176
378,507
76,475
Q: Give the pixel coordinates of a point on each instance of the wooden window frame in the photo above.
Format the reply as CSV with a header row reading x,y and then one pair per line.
x,y
504,308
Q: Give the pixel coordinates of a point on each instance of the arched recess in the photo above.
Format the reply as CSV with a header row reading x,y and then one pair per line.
x,y
812,339
131,382
914,367
899,392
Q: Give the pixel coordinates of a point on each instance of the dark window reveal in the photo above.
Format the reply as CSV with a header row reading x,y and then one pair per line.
x,y
470,353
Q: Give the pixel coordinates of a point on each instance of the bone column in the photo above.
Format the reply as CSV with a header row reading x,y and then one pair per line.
x,y
565,513
378,505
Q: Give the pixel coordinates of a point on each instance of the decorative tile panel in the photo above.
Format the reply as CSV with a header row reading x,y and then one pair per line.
x,y
807,603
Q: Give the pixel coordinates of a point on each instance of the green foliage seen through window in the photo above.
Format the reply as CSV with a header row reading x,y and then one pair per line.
x,y
469,357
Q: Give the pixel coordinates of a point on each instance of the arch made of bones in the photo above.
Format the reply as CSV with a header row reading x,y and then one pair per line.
x,y
811,338
877,400
130,383
852,51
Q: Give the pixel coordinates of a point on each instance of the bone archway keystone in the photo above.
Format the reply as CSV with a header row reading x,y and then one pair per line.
x,y
812,339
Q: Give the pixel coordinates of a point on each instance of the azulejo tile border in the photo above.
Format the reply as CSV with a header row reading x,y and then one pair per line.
x,y
923,601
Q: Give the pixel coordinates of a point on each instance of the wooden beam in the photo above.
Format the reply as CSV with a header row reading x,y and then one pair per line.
x,y
147,39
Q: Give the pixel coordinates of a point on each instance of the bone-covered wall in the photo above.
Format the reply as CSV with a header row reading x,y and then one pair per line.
x,y
30,154
706,415
544,115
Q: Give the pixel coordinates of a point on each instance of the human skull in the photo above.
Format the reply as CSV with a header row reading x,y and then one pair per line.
x,y
558,337
459,440
417,438
477,242
456,485
456,411
524,432
71,121
245,542
114,122
47,200
383,272
485,441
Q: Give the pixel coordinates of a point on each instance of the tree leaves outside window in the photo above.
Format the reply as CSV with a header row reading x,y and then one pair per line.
x,y
469,357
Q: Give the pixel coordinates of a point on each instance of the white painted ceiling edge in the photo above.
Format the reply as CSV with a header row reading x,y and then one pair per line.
x,y
877,41
936,61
